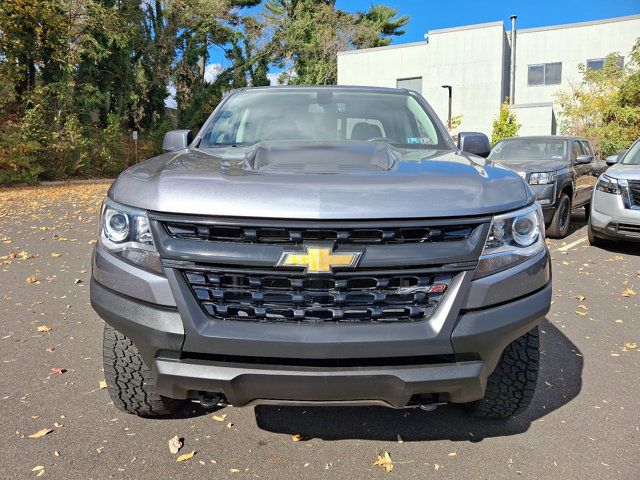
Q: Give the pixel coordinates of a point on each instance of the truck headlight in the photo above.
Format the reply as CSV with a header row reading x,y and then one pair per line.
x,y
125,232
611,185
513,238
542,178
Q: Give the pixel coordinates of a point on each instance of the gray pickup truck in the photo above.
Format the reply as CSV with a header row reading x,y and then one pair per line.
x,y
321,246
562,172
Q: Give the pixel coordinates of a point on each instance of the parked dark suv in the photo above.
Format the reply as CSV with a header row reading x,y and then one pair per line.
x,y
562,171
321,246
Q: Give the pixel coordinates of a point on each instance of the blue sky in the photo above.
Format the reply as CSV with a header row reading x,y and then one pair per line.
x,y
434,14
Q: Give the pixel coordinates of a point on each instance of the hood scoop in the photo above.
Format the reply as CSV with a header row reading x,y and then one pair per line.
x,y
300,157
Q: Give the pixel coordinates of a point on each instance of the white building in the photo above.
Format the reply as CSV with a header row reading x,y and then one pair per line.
x,y
476,61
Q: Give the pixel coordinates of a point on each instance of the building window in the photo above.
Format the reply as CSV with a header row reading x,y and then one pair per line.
x,y
545,74
598,63
414,83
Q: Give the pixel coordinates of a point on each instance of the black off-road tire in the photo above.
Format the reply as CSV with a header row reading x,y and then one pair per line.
x,y
559,226
129,381
511,386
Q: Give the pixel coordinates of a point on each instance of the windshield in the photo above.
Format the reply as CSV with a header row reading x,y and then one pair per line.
x,y
633,155
529,149
322,115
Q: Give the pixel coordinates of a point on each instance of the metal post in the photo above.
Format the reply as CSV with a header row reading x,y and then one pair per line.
x,y
512,83
134,134
450,88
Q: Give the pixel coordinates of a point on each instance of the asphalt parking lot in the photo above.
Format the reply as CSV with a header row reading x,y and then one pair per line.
x,y
584,422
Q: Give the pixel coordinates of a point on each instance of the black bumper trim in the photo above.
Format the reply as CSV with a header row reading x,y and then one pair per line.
x,y
459,382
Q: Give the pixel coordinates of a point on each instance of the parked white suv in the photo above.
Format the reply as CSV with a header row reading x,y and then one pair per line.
x,y
615,204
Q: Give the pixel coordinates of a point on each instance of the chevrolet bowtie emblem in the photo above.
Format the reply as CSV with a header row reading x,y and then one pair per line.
x,y
319,259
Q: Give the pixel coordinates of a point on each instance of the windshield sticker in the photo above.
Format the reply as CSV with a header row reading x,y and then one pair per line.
x,y
419,140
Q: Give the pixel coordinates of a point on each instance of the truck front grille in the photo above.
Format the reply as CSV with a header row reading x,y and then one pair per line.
x,y
634,192
399,296
375,234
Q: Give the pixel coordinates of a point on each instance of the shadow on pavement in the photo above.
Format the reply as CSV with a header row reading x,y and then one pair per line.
x,y
559,382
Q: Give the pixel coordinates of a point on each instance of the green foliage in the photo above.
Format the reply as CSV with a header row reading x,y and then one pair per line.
x,y
308,34
506,125
16,159
79,75
605,106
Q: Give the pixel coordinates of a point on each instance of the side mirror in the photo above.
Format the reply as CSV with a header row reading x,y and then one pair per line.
x,y
176,140
612,159
475,143
584,159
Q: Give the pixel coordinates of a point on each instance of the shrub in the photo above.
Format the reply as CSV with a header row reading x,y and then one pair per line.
x,y
506,125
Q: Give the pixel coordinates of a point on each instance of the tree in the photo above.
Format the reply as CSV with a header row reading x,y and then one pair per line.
x,y
306,36
605,105
506,125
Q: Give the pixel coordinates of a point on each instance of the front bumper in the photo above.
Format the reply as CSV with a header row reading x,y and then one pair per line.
x,y
611,220
450,355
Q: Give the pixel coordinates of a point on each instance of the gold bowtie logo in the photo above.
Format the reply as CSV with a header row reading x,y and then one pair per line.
x,y
319,259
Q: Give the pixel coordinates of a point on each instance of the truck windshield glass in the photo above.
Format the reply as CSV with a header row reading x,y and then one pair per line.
x,y
322,115
529,149
633,155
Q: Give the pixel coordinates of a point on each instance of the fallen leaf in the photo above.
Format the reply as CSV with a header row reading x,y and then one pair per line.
x,y
58,370
40,473
453,454
628,293
220,418
185,456
102,384
41,433
296,438
50,349
55,254
77,281
175,445
384,461
629,346
581,298
583,307
43,329
33,279
582,314
56,453
37,468
229,425
234,470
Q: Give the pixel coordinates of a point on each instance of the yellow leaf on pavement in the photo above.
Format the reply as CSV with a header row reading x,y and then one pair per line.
x,y
102,384
384,461
582,314
628,292
220,418
37,468
185,456
43,329
41,433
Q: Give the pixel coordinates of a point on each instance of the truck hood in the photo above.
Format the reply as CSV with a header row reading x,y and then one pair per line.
x,y
622,171
307,180
533,166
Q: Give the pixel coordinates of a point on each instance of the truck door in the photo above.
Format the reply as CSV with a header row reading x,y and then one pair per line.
x,y
583,172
